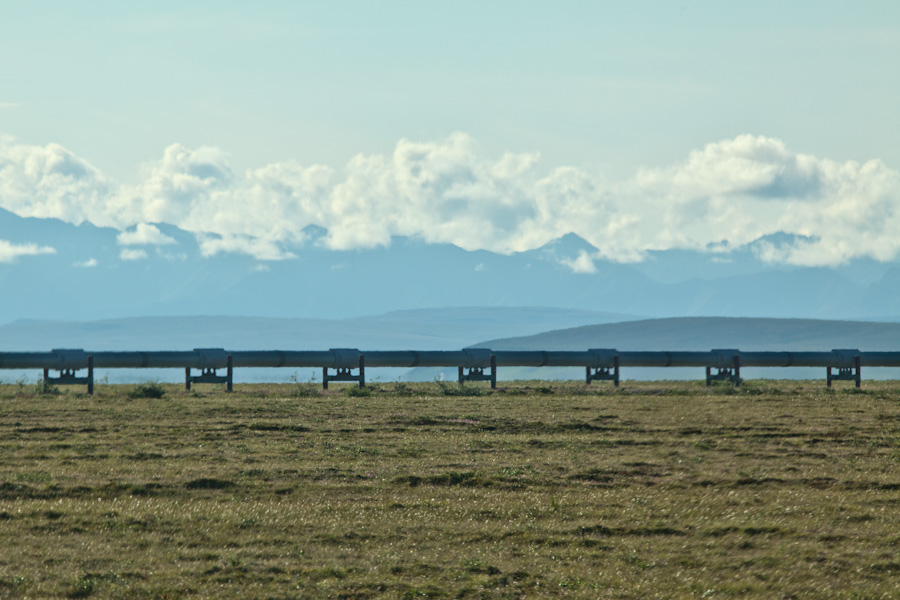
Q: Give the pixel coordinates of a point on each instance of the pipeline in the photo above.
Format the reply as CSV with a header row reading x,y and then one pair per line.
x,y
603,361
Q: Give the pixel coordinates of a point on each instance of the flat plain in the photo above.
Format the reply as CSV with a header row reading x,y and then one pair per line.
x,y
777,489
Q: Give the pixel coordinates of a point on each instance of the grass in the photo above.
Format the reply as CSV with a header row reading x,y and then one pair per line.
x,y
654,490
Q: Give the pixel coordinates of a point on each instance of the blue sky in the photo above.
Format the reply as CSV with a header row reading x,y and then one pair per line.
x,y
639,125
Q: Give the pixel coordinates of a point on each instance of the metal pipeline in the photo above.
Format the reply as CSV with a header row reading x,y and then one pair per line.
x,y
29,360
349,358
879,359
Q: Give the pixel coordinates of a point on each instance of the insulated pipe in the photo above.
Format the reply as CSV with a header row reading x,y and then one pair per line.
x,y
788,359
293,358
569,359
29,360
349,358
667,359
147,360
467,358
394,358
260,358
879,359
196,360
522,358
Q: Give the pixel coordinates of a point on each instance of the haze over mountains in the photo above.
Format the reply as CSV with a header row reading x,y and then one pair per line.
x,y
86,272
436,329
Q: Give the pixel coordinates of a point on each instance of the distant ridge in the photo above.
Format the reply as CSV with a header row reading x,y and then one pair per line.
x,y
420,329
706,333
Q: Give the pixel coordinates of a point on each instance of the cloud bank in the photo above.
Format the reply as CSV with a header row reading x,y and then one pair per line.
x,y
9,252
723,195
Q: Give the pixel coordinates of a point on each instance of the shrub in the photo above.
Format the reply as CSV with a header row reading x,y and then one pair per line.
x,y
147,390
306,390
358,392
402,389
45,388
455,389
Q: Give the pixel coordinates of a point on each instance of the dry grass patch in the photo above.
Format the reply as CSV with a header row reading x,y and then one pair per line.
x,y
655,490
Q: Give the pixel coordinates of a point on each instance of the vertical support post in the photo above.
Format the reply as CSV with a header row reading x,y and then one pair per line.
x,y
737,371
461,376
708,376
324,378
828,377
857,362
230,376
588,375
362,371
616,370
493,371
90,376
187,379
46,374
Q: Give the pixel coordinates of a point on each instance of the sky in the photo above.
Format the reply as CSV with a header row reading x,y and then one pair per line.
x,y
491,125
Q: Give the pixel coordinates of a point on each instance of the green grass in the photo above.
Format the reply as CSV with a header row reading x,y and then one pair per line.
x,y
654,490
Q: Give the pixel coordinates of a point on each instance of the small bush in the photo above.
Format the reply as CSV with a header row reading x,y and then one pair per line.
x,y
455,389
82,588
306,390
147,390
45,388
402,389
358,392
207,483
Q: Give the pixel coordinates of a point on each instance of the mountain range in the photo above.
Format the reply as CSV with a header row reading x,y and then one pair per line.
x,y
91,275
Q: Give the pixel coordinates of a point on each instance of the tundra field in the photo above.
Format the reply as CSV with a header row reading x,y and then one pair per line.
x,y
655,490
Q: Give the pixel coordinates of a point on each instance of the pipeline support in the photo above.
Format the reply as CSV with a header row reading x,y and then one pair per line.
x,y
68,376
465,374
732,373
853,373
208,375
604,373
346,374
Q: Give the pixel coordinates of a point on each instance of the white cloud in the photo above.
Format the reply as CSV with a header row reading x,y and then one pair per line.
x,y
261,249
9,252
143,235
9,104
51,181
449,191
741,189
132,254
87,264
582,264
175,186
